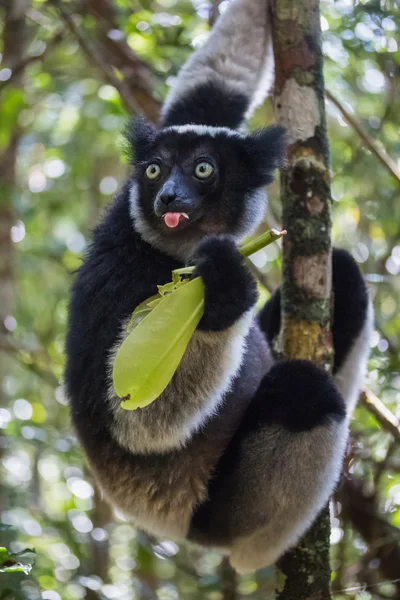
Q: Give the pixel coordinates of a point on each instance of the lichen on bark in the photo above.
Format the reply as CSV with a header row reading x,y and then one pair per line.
x,y
306,214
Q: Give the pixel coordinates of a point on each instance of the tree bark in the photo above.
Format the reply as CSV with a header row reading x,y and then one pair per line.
x,y
306,201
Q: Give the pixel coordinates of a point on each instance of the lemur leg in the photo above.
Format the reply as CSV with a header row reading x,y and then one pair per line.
x,y
281,467
286,459
352,324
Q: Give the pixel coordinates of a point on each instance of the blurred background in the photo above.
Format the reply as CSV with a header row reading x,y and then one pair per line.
x,y
71,73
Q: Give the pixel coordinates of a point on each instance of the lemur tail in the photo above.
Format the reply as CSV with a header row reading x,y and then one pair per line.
x,y
224,80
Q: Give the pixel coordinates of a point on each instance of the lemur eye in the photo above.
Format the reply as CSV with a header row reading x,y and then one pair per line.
x,y
153,172
204,170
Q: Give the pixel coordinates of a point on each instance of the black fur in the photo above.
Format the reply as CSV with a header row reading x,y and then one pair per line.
x,y
297,395
350,304
267,151
230,288
270,316
119,272
139,136
208,104
349,307
220,204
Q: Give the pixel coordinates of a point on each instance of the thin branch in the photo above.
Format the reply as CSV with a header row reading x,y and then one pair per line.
x,y
385,417
383,465
138,75
381,155
21,353
27,60
214,11
92,52
228,580
382,538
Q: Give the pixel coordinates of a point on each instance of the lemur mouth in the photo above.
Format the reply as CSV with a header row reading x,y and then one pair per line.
x,y
172,219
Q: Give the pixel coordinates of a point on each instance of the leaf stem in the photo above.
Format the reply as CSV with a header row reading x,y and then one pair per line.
x,y
184,271
261,242
246,249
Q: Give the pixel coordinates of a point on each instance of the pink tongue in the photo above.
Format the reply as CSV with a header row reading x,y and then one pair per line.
x,y
172,219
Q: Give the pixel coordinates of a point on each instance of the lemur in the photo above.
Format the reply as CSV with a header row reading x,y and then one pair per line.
x,y
241,451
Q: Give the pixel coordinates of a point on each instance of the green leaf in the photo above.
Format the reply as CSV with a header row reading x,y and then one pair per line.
x,y
3,554
150,355
159,331
11,106
15,567
10,562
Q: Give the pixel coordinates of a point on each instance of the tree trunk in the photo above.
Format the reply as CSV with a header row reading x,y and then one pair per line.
x,y
306,200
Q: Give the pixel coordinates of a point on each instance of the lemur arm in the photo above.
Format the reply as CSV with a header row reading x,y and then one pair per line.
x,y
224,80
352,323
210,363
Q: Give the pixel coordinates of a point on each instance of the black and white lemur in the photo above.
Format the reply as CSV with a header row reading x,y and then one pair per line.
x,y
240,452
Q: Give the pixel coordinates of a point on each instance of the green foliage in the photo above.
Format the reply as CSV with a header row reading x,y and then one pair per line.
x,y
159,332
16,562
148,358
68,168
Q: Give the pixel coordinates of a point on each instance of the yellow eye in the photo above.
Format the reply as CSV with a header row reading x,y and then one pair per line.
x,y
153,172
204,170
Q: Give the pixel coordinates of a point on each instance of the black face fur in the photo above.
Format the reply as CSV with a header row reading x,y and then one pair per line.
x,y
228,201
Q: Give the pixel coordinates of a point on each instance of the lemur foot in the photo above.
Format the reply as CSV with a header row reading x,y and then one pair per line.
x,y
230,289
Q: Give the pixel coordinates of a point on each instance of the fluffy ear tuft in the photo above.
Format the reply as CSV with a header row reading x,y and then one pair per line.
x,y
139,135
266,149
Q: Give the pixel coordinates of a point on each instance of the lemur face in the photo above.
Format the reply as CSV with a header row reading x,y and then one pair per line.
x,y
194,180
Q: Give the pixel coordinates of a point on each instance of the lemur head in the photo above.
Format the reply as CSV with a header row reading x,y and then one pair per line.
x,y
193,180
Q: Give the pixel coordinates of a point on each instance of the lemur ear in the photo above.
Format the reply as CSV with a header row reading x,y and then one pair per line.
x,y
266,149
139,135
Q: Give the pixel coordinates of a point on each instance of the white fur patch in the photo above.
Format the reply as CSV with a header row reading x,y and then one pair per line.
x,y
237,54
205,130
349,378
296,485
199,385
232,361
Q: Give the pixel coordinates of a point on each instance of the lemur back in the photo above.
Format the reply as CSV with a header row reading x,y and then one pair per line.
x,y
232,421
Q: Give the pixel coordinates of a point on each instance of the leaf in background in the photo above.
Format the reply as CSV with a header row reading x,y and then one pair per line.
x,y
150,355
11,106
10,562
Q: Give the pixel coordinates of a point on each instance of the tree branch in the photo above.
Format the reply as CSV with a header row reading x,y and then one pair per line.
x,y
28,359
381,155
228,580
382,538
382,414
20,66
137,74
93,53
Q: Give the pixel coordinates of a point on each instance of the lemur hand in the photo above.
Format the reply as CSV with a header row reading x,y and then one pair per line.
x,y
230,289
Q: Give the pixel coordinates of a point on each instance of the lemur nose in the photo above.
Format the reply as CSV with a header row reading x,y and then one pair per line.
x,y
167,196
